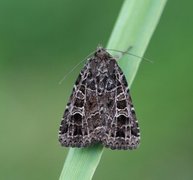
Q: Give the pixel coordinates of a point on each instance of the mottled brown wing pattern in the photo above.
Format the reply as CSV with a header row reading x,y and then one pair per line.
x,y
74,130
122,131
100,109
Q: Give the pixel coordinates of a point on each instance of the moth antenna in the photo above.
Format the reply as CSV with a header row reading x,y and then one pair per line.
x,y
126,52
60,82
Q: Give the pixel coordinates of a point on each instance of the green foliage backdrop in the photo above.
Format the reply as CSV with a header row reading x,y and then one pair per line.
x,y
40,41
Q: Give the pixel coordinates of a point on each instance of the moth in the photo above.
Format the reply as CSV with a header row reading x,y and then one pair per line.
x,y
100,109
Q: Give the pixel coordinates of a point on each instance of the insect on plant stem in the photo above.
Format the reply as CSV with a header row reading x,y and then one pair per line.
x,y
100,109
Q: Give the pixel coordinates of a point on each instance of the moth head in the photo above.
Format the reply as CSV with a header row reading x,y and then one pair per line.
x,y
101,53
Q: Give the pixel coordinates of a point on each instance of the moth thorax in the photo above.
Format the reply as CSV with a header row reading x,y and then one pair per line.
x,y
101,53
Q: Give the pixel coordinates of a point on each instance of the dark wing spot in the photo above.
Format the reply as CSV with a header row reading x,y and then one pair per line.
x,y
134,131
84,82
79,102
77,130
105,80
118,83
128,90
97,79
121,104
120,133
133,111
122,120
77,118
119,90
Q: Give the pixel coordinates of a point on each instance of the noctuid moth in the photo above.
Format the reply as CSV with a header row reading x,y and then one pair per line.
x,y
100,109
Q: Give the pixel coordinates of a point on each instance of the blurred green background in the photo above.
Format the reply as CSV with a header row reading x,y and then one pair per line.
x,y
41,41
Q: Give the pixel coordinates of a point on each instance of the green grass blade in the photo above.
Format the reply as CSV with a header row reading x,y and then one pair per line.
x,y
81,163
134,27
